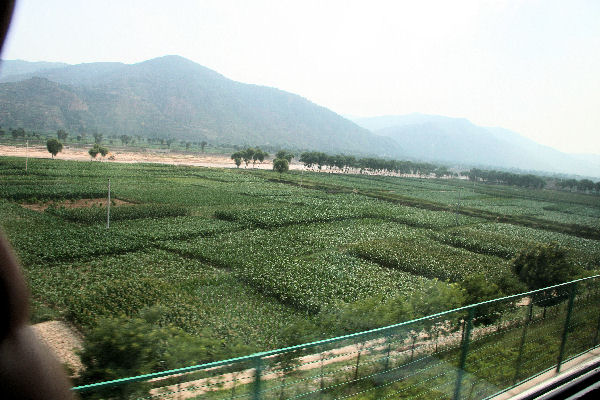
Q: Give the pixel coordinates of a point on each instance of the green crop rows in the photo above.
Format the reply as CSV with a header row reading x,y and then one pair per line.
x,y
246,253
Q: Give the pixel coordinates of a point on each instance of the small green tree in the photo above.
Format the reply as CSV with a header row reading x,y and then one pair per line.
x,y
437,297
364,314
376,311
62,135
203,145
98,137
285,155
93,152
261,155
123,346
103,151
247,155
544,265
258,155
54,146
16,133
125,139
237,158
479,289
281,165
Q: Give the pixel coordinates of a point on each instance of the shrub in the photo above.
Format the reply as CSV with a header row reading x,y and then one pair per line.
x,y
54,147
281,165
122,346
545,265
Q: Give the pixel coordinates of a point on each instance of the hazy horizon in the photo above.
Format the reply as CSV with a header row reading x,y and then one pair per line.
x,y
531,67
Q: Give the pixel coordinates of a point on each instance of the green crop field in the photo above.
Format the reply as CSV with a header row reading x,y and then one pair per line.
x,y
246,253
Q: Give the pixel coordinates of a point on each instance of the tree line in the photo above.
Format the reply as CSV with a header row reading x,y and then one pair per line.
x,y
531,181
249,155
341,162
20,133
346,163
371,164
583,185
506,178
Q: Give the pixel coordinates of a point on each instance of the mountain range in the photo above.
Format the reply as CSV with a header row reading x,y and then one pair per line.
x,y
458,141
172,97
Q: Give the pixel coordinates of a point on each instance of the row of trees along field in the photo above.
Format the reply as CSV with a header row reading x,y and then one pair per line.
x,y
61,134
249,155
342,162
506,178
345,163
583,185
531,181
98,138
54,147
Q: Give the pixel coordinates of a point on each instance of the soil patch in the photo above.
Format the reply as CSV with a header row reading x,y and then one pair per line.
x,y
80,203
63,341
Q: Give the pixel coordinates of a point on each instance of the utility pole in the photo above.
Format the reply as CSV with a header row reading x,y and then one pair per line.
x,y
457,208
26,153
108,207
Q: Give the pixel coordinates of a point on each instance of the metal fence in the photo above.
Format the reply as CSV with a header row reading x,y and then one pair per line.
x,y
473,352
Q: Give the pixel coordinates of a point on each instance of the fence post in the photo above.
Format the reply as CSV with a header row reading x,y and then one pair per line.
x,y
387,358
357,364
322,380
412,347
257,377
595,342
563,342
522,344
464,351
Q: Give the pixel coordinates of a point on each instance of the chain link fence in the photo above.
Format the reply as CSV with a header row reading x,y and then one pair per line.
x,y
473,352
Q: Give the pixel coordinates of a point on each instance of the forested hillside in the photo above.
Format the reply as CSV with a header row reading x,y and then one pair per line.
x,y
174,97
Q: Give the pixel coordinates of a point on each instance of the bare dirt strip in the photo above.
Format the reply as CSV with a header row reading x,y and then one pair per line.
x,y
79,203
171,158
63,341
124,156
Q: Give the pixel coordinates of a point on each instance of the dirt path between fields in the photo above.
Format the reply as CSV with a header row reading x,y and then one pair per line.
x,y
63,342
75,203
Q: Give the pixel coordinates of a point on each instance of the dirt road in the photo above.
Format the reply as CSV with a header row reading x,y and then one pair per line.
x,y
124,156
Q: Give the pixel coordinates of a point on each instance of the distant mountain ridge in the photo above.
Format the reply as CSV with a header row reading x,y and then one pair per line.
x,y
174,97
20,67
458,141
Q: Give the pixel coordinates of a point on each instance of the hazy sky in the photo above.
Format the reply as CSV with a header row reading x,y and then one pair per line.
x,y
530,66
